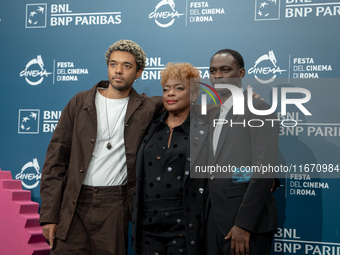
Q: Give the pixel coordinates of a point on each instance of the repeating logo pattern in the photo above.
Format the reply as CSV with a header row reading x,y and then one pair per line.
x,y
266,66
165,16
29,174
28,121
36,16
34,71
267,9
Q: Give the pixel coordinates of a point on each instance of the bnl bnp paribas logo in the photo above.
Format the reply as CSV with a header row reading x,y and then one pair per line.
x,y
28,121
34,71
29,174
36,15
266,69
267,9
165,13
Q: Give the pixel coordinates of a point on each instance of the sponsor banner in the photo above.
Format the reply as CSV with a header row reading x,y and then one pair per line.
x,y
42,15
267,10
29,121
267,68
309,68
165,13
204,11
292,9
304,185
30,174
285,44
36,15
291,241
67,71
168,12
35,72
154,66
311,8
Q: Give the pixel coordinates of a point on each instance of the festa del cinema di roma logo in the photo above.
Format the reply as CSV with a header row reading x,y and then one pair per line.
x,y
267,67
162,17
29,174
34,71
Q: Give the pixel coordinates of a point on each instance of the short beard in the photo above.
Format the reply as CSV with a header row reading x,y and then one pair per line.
x,y
120,88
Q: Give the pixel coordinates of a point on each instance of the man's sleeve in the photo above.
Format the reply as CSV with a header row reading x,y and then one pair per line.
x,y
54,173
158,100
264,151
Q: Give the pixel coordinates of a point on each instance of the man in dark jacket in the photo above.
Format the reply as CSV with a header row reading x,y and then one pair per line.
x,y
242,210
88,178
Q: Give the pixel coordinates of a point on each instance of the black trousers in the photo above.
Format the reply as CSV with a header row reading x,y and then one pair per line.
x,y
163,230
259,244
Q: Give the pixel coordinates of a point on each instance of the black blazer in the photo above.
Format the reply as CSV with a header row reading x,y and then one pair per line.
x,y
247,204
194,194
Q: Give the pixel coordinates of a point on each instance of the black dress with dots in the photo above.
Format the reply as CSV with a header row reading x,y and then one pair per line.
x,y
168,209
163,172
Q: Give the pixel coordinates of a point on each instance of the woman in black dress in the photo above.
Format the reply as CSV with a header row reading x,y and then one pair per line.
x,y
168,208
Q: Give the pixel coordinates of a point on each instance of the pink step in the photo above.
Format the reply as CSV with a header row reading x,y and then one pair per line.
x,y
32,219
28,207
5,174
19,195
36,237
11,184
40,248
37,230
20,232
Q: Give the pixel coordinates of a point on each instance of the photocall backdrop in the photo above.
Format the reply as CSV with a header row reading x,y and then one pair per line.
x,y
52,50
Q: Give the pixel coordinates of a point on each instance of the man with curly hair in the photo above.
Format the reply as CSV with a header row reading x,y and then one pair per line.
x,y
88,178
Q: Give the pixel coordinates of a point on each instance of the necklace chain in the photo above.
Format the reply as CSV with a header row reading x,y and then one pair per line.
x,y
109,145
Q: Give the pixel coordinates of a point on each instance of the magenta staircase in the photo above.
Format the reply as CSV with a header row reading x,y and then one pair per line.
x,y
20,232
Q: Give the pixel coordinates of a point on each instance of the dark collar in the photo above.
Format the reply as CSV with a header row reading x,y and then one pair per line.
x,y
185,126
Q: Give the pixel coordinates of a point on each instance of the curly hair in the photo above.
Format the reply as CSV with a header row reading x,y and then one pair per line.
x,y
180,71
128,46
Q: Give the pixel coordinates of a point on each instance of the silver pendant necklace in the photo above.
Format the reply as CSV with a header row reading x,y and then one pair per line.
x,y
109,145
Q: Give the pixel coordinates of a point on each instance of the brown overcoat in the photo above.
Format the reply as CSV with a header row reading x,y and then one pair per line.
x,y
71,147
